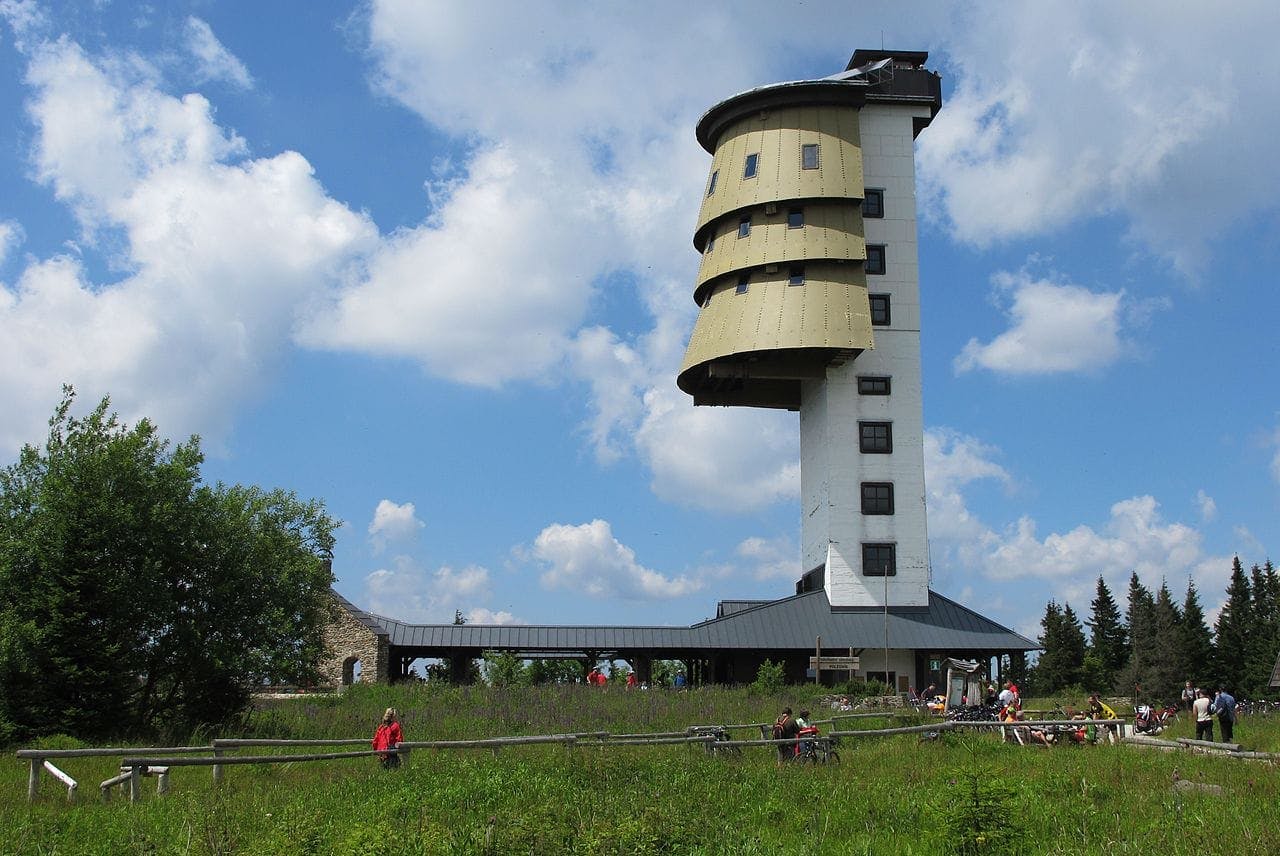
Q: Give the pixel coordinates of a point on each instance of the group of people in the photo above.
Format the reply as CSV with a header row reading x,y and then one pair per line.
x,y
1206,705
790,727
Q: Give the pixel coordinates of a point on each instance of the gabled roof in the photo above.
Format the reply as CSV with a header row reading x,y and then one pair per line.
x,y
365,618
789,624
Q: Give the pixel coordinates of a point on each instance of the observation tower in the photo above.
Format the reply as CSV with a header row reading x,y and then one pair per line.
x,y
809,300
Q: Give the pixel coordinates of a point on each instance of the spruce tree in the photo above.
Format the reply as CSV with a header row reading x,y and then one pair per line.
x,y
1195,640
1048,675
1264,634
1165,676
1108,639
1231,633
1140,618
1073,645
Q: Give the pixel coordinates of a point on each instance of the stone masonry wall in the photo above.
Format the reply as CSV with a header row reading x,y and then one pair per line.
x,y
347,637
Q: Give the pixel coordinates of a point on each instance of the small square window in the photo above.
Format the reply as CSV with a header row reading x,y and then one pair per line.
x,y
875,437
743,282
877,498
809,156
744,227
879,310
797,275
879,560
869,385
753,161
873,203
711,185
795,218
875,258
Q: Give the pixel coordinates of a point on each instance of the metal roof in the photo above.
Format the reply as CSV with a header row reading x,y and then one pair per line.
x,y
791,623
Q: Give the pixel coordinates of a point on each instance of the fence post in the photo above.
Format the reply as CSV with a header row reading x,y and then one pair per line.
x,y
135,784
217,768
162,783
33,779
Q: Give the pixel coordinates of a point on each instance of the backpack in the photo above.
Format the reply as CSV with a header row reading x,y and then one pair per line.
x,y
778,731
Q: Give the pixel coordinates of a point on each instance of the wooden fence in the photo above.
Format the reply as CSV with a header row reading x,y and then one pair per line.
x,y
138,762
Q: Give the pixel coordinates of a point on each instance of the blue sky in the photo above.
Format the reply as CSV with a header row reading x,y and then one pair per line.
x,y
434,266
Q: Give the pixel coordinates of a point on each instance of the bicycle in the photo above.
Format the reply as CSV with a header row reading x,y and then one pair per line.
x,y
817,750
720,734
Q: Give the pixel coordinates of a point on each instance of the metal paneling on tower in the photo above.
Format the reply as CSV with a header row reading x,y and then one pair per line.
x,y
809,300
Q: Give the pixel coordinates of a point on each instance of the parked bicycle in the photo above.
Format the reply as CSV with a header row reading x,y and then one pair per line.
x,y
818,750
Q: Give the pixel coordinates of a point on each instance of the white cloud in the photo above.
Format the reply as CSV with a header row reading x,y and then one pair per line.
x,y
1056,327
588,559
952,461
11,237
26,19
1064,112
408,592
1208,508
393,522
770,558
1275,458
215,62
218,253
1135,538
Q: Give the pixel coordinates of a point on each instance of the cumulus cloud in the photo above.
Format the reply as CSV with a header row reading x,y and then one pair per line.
x,y
393,522
588,559
1054,327
1063,112
1208,508
11,236
407,592
218,251
770,558
952,461
214,61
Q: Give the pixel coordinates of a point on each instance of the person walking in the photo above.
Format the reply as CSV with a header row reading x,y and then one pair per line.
x,y
386,737
1225,706
1203,708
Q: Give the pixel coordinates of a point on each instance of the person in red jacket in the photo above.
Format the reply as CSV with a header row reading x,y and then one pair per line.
x,y
386,736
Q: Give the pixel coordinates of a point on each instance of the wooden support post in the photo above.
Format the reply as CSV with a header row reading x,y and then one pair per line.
x,y
217,768
162,783
135,784
33,779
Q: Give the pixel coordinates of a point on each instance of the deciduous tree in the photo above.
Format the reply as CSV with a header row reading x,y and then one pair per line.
x,y
134,596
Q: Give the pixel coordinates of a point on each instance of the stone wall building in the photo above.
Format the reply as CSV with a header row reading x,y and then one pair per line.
x,y
358,647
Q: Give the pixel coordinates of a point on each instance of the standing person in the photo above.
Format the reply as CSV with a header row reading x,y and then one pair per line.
x,y
1006,699
1225,706
631,680
385,737
1188,696
1203,709
785,728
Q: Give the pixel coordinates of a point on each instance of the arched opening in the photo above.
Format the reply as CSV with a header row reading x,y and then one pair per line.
x,y
350,671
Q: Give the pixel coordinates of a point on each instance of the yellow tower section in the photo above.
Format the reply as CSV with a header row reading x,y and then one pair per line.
x,y
782,284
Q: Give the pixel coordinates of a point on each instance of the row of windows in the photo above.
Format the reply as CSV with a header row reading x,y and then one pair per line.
x,y
880,317
875,263
751,167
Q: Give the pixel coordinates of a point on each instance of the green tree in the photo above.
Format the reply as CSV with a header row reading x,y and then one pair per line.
x,y
1264,635
1165,674
1108,638
1060,663
504,669
1195,640
1231,633
134,597
1140,618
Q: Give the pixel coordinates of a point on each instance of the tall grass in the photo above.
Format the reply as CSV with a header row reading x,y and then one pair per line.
x,y
890,795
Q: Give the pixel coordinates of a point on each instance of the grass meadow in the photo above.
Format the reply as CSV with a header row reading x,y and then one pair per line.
x,y
963,793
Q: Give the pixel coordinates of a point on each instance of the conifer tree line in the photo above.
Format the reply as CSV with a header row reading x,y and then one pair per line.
x,y
1157,643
